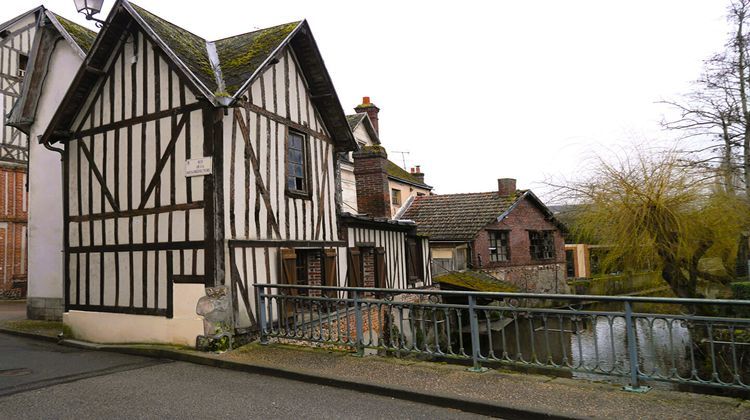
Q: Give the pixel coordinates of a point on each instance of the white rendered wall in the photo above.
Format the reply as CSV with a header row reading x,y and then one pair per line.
x,y
104,327
45,184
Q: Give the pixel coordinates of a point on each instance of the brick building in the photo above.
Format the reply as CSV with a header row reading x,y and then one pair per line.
x,y
400,185
509,234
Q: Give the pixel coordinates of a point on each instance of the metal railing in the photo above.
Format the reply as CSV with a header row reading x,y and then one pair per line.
x,y
632,339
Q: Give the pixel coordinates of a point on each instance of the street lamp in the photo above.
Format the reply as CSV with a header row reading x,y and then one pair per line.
x,y
89,8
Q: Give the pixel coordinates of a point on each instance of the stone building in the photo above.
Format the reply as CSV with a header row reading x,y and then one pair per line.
x,y
509,234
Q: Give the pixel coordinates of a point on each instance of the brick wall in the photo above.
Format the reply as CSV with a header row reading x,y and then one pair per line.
x,y
13,222
368,262
373,193
521,269
314,272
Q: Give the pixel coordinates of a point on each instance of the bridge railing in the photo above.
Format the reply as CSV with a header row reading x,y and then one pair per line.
x,y
630,339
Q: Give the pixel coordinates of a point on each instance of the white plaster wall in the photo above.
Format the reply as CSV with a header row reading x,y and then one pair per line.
x,y
348,183
104,327
45,185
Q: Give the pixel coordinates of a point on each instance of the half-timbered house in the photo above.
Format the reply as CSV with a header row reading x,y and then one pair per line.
x,y
57,49
194,169
16,38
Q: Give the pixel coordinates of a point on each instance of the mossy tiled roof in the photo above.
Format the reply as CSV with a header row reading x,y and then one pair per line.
x,y
398,172
475,280
241,55
355,119
458,217
189,48
84,37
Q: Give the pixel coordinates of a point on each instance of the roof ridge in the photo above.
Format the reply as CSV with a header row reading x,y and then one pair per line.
x,y
166,20
256,30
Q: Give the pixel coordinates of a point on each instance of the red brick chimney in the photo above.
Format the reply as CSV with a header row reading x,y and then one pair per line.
x,y
417,173
373,192
506,187
371,110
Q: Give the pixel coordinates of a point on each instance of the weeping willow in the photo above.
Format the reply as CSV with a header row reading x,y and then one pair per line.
x,y
653,210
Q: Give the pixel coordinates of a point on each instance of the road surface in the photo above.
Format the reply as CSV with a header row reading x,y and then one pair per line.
x,y
44,380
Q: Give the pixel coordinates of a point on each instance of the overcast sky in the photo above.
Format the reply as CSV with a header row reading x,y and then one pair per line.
x,y
477,90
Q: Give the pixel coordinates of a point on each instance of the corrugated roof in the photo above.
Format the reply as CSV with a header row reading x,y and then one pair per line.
x,y
457,217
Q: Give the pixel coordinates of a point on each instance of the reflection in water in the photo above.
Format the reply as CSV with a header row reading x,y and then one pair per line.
x,y
593,346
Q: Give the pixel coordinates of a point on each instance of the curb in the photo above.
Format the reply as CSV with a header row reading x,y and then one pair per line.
x,y
440,400
26,334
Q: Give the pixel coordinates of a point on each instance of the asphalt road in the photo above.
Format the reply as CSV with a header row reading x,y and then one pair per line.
x,y
44,380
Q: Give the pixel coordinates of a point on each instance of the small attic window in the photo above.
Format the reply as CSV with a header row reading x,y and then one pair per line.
x,y
23,61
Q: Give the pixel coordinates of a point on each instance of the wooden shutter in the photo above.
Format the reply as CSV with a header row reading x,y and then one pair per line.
x,y
288,276
413,261
380,269
355,268
329,269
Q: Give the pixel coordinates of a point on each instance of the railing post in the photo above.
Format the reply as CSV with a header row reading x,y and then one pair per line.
x,y
474,327
632,352
262,315
358,321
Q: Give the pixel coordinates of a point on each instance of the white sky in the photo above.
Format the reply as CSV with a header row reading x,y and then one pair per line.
x,y
477,90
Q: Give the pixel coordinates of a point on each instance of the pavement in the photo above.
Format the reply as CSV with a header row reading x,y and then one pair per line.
x,y
368,381
12,310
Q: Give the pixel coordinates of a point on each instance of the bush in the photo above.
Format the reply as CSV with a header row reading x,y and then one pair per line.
x,y
741,290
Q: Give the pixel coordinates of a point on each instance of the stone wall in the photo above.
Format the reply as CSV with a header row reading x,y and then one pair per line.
x,y
45,309
544,278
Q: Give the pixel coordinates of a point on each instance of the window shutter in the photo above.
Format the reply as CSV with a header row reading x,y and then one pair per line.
x,y
329,263
355,268
380,268
288,276
413,260
289,269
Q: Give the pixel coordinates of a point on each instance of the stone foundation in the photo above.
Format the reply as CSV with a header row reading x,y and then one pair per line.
x,y
543,278
44,309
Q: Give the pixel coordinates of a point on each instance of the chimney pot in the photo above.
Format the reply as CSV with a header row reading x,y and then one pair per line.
x,y
412,170
418,170
371,110
506,187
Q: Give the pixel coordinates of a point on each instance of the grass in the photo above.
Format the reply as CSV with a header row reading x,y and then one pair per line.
x,y
46,328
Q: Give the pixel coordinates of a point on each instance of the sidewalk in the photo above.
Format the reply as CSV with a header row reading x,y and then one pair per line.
x,y
500,393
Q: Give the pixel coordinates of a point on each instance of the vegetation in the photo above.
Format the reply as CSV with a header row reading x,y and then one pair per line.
x,y
652,211
741,290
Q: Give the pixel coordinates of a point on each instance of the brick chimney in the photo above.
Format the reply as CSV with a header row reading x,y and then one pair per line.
x,y
373,192
417,173
371,110
506,187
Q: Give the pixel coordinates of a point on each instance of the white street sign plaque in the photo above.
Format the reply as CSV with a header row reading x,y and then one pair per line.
x,y
198,167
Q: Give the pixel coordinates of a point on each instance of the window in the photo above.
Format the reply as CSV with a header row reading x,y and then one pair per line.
x,y
499,250
395,197
23,62
542,244
296,164
570,265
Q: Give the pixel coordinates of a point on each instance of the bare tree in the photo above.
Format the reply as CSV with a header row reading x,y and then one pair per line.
x,y
718,107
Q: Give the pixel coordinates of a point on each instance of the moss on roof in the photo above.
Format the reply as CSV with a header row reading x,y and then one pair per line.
x,y
355,119
398,172
475,280
84,37
241,55
190,48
